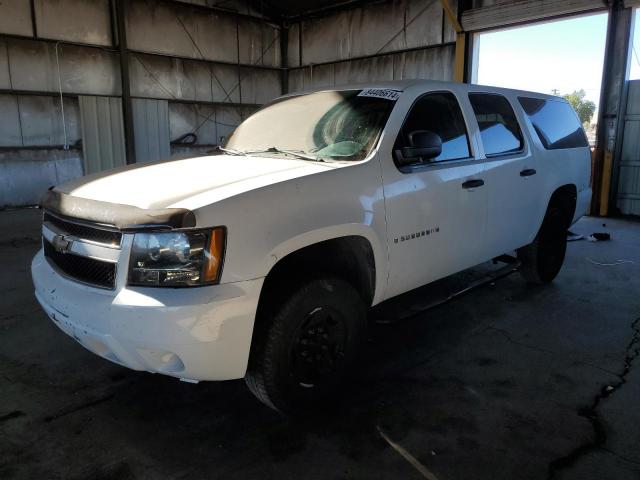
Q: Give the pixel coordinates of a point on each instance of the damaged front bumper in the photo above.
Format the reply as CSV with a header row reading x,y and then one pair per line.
x,y
190,333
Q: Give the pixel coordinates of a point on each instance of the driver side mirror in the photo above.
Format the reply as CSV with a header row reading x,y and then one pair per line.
x,y
423,145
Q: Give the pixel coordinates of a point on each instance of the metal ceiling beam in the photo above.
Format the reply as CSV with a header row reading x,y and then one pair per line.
x,y
329,9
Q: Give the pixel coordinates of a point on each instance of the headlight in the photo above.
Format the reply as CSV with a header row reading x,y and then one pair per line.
x,y
177,259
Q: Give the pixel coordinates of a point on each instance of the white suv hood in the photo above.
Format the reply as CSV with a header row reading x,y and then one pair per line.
x,y
189,183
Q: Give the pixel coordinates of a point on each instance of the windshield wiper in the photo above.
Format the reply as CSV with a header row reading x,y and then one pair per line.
x,y
272,150
231,151
291,152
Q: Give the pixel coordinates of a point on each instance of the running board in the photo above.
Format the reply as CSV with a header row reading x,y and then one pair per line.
x,y
508,259
489,278
512,265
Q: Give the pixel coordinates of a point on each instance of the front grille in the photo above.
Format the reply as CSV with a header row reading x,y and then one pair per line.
x,y
84,269
84,232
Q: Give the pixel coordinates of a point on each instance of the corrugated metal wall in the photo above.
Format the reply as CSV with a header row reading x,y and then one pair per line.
x,y
102,133
151,126
394,40
214,67
628,197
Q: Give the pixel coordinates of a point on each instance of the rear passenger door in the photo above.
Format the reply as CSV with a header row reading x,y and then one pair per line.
x,y
510,174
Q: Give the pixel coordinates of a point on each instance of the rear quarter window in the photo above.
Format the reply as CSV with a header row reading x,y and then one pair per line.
x,y
555,123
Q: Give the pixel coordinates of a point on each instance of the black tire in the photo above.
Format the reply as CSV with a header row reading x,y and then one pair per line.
x,y
307,349
542,260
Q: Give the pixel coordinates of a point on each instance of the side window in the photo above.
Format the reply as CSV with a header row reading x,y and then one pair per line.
x,y
555,122
499,128
438,113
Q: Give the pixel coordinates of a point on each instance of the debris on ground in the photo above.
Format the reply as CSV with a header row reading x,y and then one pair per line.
x,y
599,237
572,237
617,262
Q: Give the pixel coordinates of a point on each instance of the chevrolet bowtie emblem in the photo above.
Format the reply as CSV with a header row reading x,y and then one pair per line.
x,y
61,244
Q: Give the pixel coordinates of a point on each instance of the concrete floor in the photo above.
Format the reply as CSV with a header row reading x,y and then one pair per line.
x,y
505,382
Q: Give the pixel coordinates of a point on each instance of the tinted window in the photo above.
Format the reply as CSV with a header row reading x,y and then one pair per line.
x,y
439,113
499,128
555,122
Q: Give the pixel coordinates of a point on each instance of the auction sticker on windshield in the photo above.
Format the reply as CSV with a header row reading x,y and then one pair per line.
x,y
387,93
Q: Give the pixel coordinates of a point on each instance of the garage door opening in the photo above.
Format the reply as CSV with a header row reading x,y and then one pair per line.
x,y
561,57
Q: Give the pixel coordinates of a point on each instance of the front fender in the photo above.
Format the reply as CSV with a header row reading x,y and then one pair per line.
x,y
378,246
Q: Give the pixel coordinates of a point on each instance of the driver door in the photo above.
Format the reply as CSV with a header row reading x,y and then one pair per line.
x,y
437,208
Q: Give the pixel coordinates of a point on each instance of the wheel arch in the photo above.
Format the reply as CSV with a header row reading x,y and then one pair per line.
x,y
351,257
564,197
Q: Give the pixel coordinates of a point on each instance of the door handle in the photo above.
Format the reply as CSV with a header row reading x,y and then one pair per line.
x,y
528,172
473,183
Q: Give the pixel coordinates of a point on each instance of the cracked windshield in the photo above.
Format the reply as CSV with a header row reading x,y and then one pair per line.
x,y
335,125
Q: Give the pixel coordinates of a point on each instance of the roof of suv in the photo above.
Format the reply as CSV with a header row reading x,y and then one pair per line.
x,y
403,85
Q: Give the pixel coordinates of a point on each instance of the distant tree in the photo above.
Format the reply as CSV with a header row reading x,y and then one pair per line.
x,y
584,108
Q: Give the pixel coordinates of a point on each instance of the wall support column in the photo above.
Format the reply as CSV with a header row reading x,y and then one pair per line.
x,y
460,64
611,109
284,58
127,108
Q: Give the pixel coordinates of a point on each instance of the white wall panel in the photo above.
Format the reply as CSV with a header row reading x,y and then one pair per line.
x,y
176,79
85,70
15,17
26,175
151,129
10,134
315,77
41,120
5,78
36,121
259,43
366,70
227,119
208,122
385,27
432,64
182,31
426,25
293,46
102,133
74,20
259,85
296,79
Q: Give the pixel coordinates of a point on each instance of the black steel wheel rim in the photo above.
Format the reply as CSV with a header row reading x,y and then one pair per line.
x,y
318,347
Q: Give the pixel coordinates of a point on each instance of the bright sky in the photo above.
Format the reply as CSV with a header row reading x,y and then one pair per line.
x,y
634,68
566,55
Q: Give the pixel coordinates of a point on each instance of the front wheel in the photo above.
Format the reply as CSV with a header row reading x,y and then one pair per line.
x,y
308,348
542,260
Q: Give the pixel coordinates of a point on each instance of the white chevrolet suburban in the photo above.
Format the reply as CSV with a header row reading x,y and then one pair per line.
x,y
260,261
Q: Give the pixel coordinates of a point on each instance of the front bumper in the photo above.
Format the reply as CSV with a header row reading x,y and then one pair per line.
x,y
199,333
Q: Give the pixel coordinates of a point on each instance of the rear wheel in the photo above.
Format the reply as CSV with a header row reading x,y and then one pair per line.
x,y
309,347
543,258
